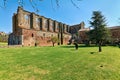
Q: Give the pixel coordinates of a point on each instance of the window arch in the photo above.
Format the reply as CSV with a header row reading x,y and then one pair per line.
x,y
37,22
27,18
32,35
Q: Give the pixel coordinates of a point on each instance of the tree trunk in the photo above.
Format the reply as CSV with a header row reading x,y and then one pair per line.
x,y
100,48
53,44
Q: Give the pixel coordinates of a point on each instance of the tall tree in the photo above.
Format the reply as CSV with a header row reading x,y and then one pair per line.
x,y
99,32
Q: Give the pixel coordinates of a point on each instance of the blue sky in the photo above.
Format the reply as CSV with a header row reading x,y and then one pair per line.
x,y
66,13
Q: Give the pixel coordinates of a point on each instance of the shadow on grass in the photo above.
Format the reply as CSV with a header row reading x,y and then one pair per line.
x,y
93,52
80,46
73,49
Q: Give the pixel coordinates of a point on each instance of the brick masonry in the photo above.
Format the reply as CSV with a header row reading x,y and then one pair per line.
x,y
30,29
115,34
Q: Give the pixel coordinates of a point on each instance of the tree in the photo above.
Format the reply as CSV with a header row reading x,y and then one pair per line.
x,y
3,37
54,40
99,33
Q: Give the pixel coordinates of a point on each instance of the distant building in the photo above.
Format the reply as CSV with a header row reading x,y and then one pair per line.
x,y
75,28
83,35
115,33
30,29
74,31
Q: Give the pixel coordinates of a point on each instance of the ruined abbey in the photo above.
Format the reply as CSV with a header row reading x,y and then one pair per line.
x,y
30,29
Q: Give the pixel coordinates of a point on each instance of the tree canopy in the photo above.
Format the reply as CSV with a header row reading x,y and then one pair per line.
x,y
54,40
99,33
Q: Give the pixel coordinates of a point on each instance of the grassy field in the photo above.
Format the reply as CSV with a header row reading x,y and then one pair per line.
x,y
59,63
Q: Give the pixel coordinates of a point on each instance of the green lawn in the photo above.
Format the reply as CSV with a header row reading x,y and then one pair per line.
x,y
59,63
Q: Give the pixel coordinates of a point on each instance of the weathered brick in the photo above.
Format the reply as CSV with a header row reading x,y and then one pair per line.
x,y
30,29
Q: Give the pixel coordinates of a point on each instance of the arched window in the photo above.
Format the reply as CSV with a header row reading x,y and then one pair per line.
x,y
37,22
54,26
40,23
45,23
27,18
32,35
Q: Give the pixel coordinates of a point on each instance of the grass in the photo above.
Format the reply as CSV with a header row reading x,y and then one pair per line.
x,y
59,63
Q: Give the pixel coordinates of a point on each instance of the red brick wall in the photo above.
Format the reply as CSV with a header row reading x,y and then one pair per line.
x,y
83,36
32,37
115,33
